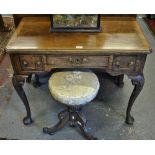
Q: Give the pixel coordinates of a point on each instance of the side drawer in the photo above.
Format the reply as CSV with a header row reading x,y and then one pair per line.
x,y
124,63
31,62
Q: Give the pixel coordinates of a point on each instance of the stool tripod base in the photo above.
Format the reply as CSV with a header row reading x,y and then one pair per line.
x,y
75,119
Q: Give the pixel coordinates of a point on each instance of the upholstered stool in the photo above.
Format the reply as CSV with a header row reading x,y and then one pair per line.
x,y
74,89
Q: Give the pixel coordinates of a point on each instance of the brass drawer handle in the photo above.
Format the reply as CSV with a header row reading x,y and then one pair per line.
x,y
85,60
25,63
38,63
71,60
78,61
117,63
131,64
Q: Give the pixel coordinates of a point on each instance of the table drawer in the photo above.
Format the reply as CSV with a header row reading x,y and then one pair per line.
x,y
31,62
126,63
78,61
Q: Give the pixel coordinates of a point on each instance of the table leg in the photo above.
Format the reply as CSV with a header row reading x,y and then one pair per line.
x,y
29,78
119,81
36,82
18,83
138,82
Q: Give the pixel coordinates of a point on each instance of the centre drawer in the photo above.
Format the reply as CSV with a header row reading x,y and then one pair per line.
x,y
78,61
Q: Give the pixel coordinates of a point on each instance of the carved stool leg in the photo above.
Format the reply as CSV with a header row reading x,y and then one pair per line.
x,y
62,114
82,125
17,83
63,119
138,82
75,119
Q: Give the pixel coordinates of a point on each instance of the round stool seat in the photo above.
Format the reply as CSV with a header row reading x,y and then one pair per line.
x,y
74,88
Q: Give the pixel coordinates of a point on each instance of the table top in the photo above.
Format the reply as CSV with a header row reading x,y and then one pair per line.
x,y
118,35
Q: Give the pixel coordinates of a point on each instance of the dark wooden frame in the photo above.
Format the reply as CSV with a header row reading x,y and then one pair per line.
x,y
75,29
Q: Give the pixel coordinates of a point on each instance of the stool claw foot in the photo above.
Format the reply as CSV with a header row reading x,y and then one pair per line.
x,y
85,132
57,127
27,120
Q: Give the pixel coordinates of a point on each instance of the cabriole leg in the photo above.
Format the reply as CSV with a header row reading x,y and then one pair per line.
x,y
18,83
138,82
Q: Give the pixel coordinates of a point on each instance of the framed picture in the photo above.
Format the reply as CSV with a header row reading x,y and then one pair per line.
x,y
75,23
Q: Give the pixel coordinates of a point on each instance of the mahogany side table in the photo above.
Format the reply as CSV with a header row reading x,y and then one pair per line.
x,y
120,48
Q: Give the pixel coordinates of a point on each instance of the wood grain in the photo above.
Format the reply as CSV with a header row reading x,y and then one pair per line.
x,y
119,35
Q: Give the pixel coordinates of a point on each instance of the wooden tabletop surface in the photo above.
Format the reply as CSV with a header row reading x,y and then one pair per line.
x,y
119,34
